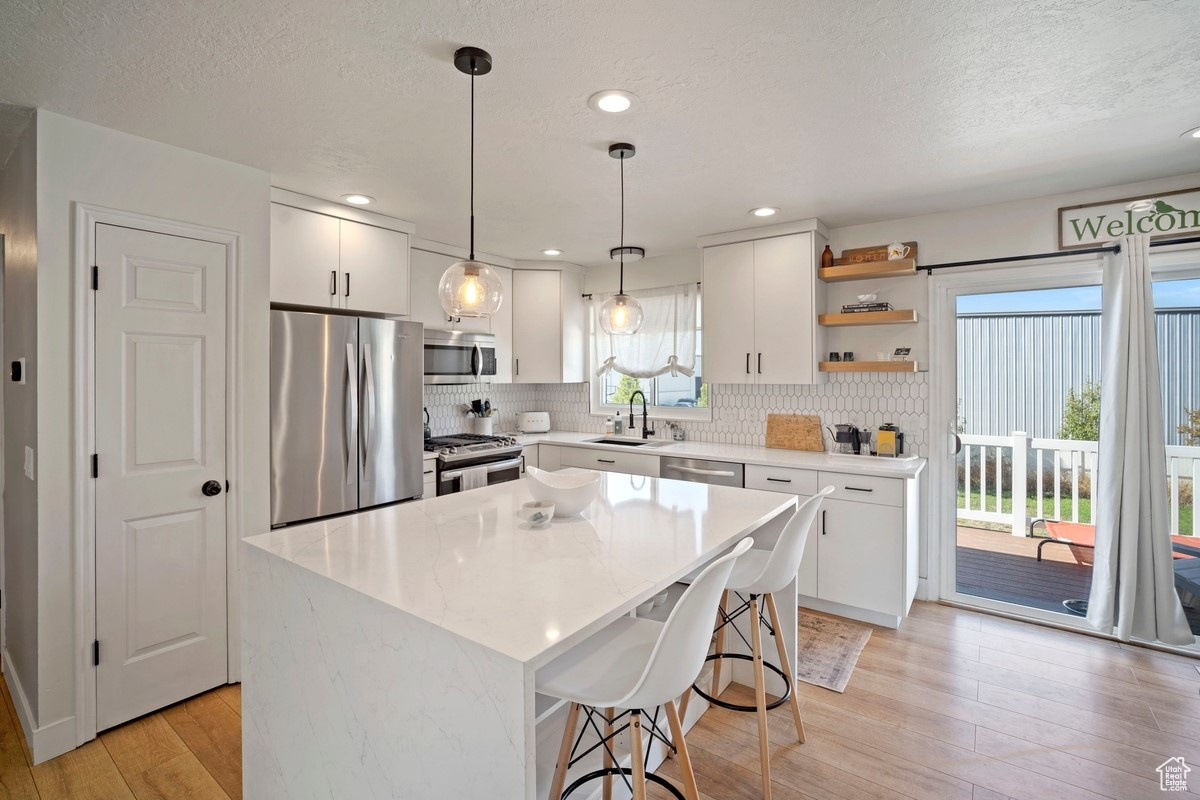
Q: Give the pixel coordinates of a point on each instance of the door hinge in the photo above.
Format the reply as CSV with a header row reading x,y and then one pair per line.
x,y
95,465
95,278
96,653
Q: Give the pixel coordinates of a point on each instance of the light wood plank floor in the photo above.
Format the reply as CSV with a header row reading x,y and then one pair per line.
x,y
956,704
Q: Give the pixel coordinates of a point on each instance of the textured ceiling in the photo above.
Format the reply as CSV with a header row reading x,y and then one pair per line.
x,y
850,111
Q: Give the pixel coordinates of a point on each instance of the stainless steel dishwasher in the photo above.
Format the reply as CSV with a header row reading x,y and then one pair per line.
x,y
722,473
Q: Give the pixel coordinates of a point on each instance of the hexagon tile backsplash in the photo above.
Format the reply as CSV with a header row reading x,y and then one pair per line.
x,y
739,412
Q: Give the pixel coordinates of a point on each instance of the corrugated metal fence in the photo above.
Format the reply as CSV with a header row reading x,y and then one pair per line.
x,y
1014,370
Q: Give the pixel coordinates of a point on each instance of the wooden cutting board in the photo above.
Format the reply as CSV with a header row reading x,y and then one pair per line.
x,y
795,432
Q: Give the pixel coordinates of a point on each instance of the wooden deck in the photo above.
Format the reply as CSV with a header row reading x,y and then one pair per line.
x,y
1004,567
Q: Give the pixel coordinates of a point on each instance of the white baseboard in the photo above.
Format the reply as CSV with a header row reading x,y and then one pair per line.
x,y
47,741
860,614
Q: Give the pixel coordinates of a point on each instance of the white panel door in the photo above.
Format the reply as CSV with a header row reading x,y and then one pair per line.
x,y
783,310
728,287
537,326
860,555
305,258
374,265
160,436
502,328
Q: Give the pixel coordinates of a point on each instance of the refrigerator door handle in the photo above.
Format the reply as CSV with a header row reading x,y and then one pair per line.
x,y
368,410
351,411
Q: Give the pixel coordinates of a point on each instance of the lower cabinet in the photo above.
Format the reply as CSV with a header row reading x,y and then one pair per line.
x,y
860,556
530,457
429,478
607,461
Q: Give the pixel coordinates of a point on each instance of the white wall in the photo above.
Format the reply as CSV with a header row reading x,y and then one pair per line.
x,y
83,163
18,224
669,269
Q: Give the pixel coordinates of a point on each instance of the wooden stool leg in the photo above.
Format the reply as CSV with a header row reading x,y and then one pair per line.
x,y
608,761
683,703
685,761
786,665
639,766
716,682
564,753
760,697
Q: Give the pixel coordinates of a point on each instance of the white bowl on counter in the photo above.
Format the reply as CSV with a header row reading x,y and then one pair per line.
x,y
570,491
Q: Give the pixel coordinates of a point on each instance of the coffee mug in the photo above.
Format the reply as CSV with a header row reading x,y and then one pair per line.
x,y
848,356
835,356
897,251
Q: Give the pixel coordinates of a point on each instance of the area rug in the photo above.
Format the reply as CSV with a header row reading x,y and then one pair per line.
x,y
828,649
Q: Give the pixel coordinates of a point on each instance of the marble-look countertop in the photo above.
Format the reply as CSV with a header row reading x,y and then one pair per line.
x,y
466,563
745,454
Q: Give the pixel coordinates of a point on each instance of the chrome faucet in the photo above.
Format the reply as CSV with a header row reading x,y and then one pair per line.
x,y
647,431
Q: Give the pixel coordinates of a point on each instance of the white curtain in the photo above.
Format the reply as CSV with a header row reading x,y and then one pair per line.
x,y
666,342
1133,582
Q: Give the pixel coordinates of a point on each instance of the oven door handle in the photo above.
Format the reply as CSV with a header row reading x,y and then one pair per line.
x,y
496,466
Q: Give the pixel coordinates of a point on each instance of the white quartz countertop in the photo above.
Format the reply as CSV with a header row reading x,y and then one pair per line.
x,y
744,454
466,563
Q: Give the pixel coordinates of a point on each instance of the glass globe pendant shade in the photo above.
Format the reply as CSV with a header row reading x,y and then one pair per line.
x,y
621,315
470,289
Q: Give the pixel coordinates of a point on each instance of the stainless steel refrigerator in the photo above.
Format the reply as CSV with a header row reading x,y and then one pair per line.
x,y
345,413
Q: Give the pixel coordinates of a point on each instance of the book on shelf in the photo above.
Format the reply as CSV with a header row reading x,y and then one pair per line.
x,y
858,308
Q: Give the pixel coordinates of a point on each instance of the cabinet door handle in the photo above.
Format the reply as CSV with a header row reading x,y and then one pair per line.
x,y
333,281
856,489
780,480
823,531
516,366
747,363
760,363
347,284
606,461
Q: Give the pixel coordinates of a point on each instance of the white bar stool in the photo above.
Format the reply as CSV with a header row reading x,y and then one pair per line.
x,y
637,664
759,574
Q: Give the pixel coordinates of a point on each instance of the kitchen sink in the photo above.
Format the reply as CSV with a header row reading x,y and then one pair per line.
x,y
628,442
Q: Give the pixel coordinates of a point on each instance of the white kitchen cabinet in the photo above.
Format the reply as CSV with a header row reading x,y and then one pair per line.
x,y
323,261
502,329
761,300
860,556
305,257
548,327
549,457
375,270
530,456
427,270
428,478
609,461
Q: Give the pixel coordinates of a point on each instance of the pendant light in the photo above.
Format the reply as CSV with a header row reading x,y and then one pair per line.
x,y
471,288
621,315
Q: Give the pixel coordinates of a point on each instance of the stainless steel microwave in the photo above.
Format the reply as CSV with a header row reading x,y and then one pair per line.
x,y
459,357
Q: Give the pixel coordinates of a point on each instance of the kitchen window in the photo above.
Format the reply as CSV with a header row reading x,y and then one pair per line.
x,y
668,396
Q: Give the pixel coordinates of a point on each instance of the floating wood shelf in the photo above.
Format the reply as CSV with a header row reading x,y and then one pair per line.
x,y
869,366
869,269
867,318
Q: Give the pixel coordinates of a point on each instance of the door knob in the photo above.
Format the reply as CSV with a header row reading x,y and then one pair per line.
x,y
211,488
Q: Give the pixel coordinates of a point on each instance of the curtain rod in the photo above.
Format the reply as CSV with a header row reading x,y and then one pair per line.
x,y
1115,248
588,295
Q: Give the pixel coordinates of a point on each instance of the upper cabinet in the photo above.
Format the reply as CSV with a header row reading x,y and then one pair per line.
x,y
761,300
324,261
427,270
547,327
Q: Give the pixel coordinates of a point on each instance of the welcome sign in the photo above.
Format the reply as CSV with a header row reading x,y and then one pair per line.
x,y
1162,216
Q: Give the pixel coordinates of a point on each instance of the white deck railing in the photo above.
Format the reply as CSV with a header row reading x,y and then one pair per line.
x,y
1064,472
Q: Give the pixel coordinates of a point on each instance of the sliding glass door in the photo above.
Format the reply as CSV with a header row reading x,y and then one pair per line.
x,y
1020,411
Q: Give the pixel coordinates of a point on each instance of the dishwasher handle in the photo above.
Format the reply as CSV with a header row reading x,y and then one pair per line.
x,y
715,473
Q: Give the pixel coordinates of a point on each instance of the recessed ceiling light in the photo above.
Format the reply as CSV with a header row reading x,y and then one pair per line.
x,y
614,101
358,199
552,252
764,211
1194,133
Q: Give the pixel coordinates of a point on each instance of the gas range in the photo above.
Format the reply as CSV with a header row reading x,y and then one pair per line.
x,y
472,447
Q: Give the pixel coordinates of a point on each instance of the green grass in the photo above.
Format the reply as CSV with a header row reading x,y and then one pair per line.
x,y
1085,509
